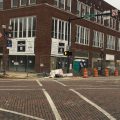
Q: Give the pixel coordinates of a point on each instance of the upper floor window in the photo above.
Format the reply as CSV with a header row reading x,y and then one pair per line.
x,y
64,4
68,5
32,2
23,2
14,3
111,42
112,23
1,4
23,27
109,21
118,44
82,35
59,29
83,9
98,39
78,8
98,19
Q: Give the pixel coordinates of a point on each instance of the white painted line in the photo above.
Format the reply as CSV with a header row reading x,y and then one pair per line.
x,y
18,113
60,83
39,83
16,80
94,105
95,88
17,89
53,107
13,86
81,85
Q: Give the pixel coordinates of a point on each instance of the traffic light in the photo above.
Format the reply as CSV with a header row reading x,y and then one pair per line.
x,y
67,53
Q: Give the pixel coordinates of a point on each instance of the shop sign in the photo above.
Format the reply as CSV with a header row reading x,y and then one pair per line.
x,y
110,57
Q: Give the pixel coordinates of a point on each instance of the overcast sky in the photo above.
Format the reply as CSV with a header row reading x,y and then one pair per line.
x,y
115,3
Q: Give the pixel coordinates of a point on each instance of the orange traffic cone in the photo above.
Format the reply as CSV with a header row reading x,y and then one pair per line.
x,y
116,72
95,72
85,73
106,72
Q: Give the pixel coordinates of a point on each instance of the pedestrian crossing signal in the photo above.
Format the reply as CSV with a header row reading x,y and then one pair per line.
x,y
67,53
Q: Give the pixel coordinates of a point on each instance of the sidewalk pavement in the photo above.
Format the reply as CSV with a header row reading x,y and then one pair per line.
x,y
18,75
24,75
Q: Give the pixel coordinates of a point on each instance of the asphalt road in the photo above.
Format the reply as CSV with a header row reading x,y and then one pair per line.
x,y
60,99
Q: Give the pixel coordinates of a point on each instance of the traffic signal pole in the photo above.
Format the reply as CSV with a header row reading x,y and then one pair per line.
x,y
69,47
4,53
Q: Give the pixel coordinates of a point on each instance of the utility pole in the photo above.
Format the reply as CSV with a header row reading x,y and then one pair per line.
x,y
6,43
69,47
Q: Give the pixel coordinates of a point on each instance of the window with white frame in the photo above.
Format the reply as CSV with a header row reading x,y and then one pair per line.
x,y
109,21
59,29
78,8
14,3
32,2
111,42
112,23
1,4
98,39
23,27
118,44
68,5
23,2
64,4
97,18
82,35
56,3
82,9
106,19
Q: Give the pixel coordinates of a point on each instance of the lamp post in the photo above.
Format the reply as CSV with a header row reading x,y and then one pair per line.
x,y
6,35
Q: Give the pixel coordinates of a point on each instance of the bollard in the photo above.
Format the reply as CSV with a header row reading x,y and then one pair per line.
x,y
116,72
106,72
95,72
85,73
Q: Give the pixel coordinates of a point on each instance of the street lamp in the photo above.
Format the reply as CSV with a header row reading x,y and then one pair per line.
x,y
6,43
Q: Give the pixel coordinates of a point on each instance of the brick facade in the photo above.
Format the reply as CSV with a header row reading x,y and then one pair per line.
x,y
44,10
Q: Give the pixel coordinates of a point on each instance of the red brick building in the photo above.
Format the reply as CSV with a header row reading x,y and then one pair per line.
x,y
40,34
